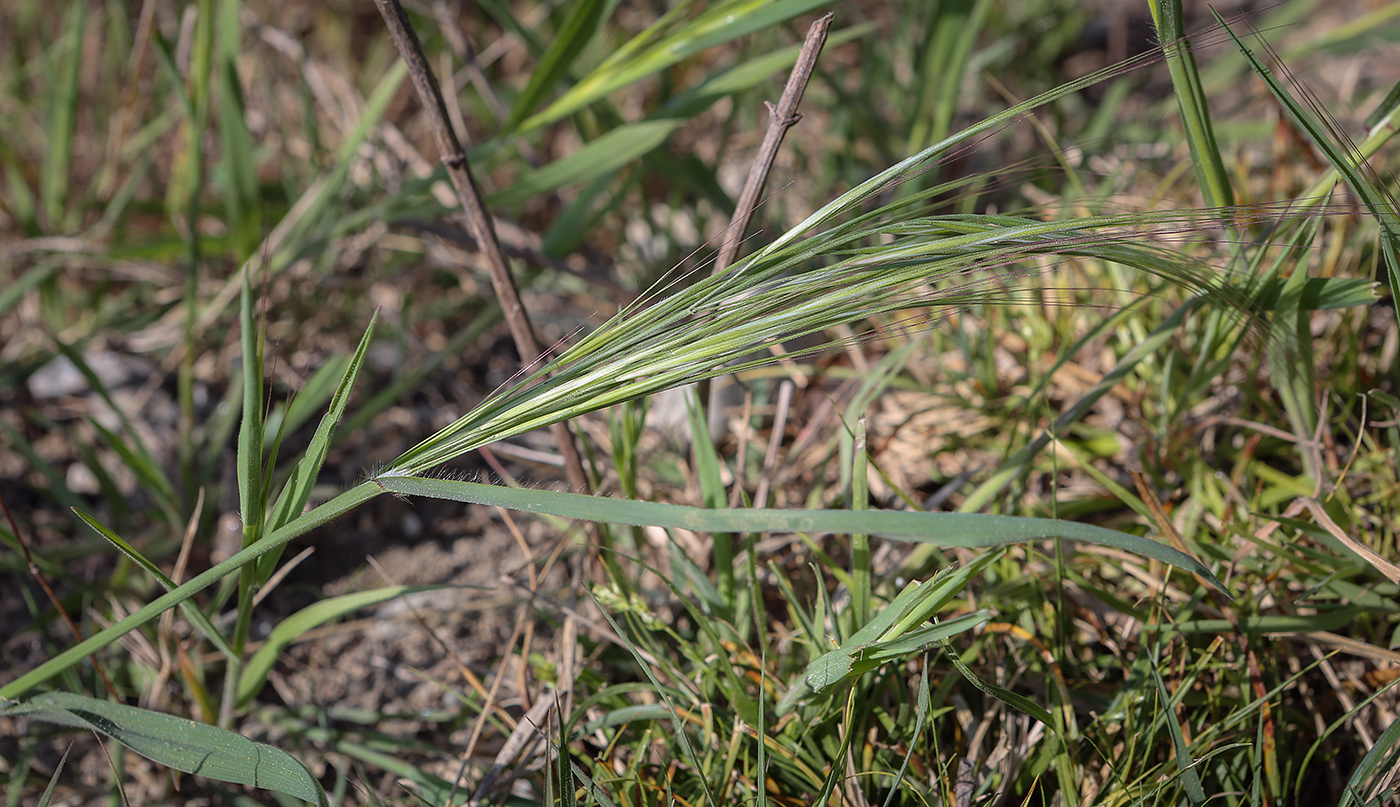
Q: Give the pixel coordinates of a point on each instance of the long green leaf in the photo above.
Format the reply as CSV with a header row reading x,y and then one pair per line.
x,y
298,488
719,23
943,529
630,142
312,616
1191,100
235,143
578,28
1185,763
175,742
1016,701
250,430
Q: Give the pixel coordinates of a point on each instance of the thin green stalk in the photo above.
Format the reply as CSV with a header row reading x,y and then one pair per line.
x,y
860,541
1211,174
198,93
251,492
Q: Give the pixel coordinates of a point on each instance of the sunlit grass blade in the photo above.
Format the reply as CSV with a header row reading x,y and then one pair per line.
x,y
297,490
293,627
1347,160
654,50
943,529
1211,174
177,743
192,611
579,27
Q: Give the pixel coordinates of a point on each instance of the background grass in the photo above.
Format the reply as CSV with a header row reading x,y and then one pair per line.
x,y
152,152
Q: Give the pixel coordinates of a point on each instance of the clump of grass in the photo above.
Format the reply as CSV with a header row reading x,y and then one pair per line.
x,y
1077,666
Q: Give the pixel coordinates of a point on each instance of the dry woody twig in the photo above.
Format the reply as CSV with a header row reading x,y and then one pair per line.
x,y
478,220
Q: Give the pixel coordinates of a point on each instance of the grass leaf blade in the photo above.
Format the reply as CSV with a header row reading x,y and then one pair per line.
x,y
177,743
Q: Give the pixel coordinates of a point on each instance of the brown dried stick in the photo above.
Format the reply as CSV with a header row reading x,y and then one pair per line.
x,y
478,221
782,117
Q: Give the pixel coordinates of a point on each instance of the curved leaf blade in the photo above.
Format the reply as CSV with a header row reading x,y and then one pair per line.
x,y
312,616
971,530
175,742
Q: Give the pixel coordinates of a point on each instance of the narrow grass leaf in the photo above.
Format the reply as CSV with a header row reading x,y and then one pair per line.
x,y
1185,763
1293,375
239,173
923,706
15,291
250,430
65,59
316,204
574,34
308,399
195,748
297,491
855,659
620,146
860,542
1211,174
1018,702
1323,293
192,611
1347,160
1385,109
652,51
47,797
312,616
1269,623
951,31
971,530
135,458
707,471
